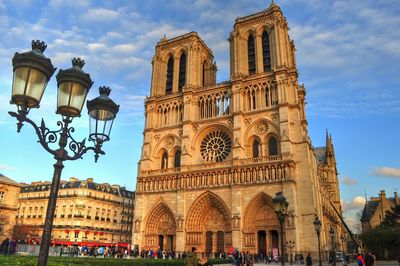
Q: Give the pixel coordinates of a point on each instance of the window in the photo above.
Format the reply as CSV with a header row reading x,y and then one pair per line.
x,y
272,146
182,71
170,75
89,213
76,234
266,52
251,55
1,196
177,159
256,148
164,160
204,73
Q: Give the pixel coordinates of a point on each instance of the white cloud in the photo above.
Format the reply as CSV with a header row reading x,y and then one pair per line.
x,y
349,181
6,167
99,15
387,172
357,203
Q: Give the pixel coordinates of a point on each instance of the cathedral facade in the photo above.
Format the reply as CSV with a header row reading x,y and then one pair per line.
x,y
215,154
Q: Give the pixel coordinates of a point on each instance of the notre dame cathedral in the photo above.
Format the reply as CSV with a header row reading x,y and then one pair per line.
x,y
215,154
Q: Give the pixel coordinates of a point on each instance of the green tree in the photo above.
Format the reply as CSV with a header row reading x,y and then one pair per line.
x,y
383,240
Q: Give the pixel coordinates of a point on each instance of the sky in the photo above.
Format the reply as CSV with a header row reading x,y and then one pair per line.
x,y
348,57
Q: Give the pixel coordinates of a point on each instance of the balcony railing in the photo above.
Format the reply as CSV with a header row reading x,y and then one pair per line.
x,y
218,165
242,171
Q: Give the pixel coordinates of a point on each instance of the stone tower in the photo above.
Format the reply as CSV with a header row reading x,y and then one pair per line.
x,y
214,155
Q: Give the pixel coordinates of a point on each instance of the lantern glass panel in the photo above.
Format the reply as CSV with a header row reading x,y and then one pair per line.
x,y
100,124
28,86
71,96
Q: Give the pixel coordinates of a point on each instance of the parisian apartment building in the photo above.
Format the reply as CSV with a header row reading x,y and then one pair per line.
x,y
87,213
9,191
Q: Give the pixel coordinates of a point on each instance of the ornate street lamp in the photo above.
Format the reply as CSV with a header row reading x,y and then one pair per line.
x,y
317,225
280,207
332,234
31,73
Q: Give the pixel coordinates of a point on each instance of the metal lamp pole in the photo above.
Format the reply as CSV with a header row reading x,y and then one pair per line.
x,y
317,225
280,207
31,72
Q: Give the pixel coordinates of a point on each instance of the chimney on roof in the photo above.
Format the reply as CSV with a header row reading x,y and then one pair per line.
x,y
396,198
382,194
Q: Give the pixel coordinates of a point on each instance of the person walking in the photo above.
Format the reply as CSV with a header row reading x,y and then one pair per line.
x,y
4,246
203,260
191,258
360,260
369,260
308,260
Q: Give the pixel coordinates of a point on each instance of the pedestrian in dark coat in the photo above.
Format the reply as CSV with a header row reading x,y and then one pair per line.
x,y
4,246
308,260
369,260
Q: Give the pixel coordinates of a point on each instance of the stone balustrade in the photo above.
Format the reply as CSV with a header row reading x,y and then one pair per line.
x,y
241,171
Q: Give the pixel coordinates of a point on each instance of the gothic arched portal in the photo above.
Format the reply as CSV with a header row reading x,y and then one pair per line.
x,y
208,224
160,229
261,226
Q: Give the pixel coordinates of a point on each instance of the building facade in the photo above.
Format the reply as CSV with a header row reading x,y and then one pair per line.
x,y
9,191
375,210
215,154
87,213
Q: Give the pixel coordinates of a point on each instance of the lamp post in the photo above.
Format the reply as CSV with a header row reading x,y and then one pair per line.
x,y
343,238
31,73
290,245
317,225
280,207
332,234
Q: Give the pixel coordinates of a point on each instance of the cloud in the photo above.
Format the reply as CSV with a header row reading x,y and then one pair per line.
x,y
357,203
386,172
349,181
6,167
351,210
100,15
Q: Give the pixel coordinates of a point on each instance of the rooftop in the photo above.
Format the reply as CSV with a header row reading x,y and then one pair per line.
x,y
7,180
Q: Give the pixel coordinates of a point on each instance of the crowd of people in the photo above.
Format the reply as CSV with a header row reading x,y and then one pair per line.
x,y
159,254
8,246
102,251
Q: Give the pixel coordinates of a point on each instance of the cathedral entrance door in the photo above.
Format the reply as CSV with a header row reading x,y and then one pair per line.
x,y
209,241
261,242
220,241
170,242
161,242
275,243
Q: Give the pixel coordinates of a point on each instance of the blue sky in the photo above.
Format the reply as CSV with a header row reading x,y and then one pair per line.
x,y
348,55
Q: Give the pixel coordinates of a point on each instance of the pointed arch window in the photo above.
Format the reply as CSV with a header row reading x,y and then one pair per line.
x,y
170,75
251,53
177,159
164,160
272,146
182,71
256,148
266,52
204,73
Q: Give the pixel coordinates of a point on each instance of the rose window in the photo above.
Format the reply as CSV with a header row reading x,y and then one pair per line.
x,y
216,146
